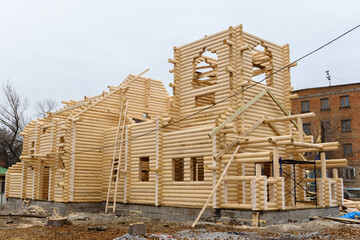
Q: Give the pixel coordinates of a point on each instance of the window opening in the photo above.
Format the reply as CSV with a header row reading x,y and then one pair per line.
x,y
307,128
45,130
178,169
45,183
32,151
325,131
348,173
305,106
344,101
136,120
197,168
262,64
204,69
347,148
324,104
144,169
345,125
61,140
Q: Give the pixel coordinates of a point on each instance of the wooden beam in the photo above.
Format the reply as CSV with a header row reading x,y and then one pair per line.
x,y
323,165
308,145
236,141
280,106
290,117
216,186
237,113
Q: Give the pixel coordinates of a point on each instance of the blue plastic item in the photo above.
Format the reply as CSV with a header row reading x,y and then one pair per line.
x,y
351,215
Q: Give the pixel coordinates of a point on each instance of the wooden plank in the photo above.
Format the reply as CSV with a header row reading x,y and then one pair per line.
x,y
280,106
215,188
255,219
346,220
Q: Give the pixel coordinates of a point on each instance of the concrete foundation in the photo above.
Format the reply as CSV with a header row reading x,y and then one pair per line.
x,y
179,214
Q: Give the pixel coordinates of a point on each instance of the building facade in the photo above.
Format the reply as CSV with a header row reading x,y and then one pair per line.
x,y
220,140
337,118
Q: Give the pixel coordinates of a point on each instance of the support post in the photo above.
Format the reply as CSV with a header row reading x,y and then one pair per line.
x,y
217,185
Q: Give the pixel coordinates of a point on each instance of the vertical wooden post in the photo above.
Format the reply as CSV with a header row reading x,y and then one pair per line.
x,y
125,163
72,166
39,178
335,173
52,134
35,140
255,219
214,164
216,186
258,170
276,162
49,191
300,130
323,165
157,163
33,186
22,195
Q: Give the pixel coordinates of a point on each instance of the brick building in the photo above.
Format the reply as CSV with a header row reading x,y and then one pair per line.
x,y
337,110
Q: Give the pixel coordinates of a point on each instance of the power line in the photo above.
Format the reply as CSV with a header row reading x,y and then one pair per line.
x,y
223,100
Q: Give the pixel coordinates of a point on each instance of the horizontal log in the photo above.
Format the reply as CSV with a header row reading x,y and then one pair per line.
x,y
308,145
239,178
289,118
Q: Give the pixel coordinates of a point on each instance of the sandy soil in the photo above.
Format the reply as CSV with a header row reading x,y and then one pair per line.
x,y
109,226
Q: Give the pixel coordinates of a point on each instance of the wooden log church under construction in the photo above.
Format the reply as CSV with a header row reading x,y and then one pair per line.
x,y
222,140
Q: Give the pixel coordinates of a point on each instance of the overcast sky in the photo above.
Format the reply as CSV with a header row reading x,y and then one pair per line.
x,y
68,49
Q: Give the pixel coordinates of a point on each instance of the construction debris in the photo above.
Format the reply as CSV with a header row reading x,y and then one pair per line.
x,y
56,221
137,229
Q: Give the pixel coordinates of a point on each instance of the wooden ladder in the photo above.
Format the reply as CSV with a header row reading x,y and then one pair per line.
x,y
116,162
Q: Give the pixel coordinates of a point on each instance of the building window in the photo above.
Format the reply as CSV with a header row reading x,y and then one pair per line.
x,y
178,169
347,174
144,169
262,62
204,69
307,128
344,101
305,107
345,125
324,104
326,126
45,130
197,169
136,120
347,148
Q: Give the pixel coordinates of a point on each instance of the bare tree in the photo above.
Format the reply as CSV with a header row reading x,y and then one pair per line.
x,y
42,107
12,122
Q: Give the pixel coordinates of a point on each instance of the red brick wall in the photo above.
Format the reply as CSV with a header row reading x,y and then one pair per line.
x,y
335,114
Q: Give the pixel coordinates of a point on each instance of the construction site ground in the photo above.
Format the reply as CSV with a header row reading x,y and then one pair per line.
x,y
30,223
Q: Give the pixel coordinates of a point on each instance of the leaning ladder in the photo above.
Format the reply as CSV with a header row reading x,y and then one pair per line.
x,y
116,162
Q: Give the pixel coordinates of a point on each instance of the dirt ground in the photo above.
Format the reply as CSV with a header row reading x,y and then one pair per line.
x,y
23,225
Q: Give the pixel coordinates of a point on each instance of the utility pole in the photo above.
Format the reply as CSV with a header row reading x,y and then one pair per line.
x,y
328,76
